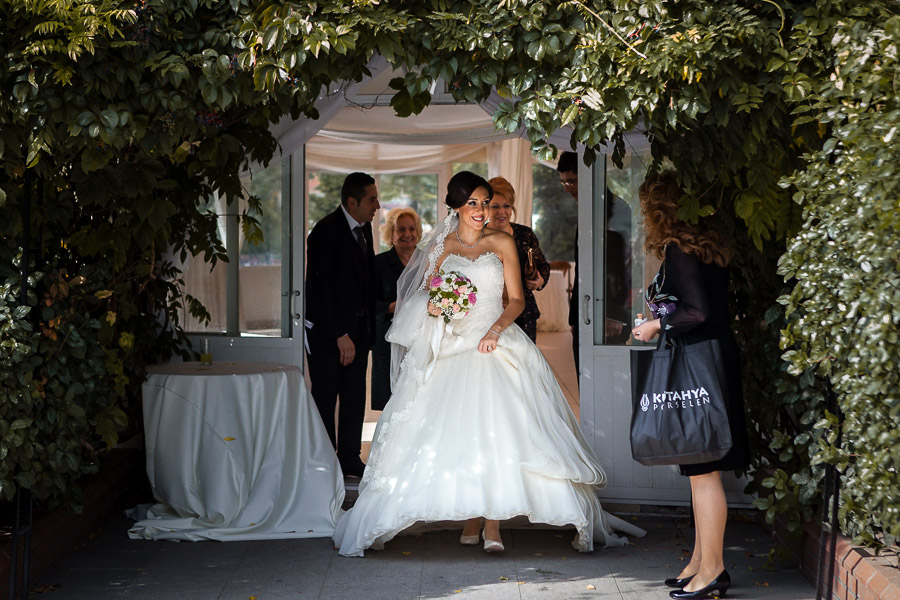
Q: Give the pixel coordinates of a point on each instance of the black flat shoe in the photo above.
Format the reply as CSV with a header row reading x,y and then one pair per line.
x,y
675,582
717,588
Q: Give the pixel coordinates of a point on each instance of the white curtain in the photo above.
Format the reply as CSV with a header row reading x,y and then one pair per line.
x,y
512,160
345,156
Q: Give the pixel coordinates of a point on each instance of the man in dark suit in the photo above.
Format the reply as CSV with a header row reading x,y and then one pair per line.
x,y
567,167
341,285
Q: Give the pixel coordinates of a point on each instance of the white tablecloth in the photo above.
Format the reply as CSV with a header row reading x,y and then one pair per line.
x,y
236,451
553,302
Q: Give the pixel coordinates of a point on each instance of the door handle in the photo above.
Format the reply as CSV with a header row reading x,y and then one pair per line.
x,y
295,315
585,310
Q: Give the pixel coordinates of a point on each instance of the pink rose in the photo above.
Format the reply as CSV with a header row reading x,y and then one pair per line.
x,y
471,298
436,281
463,290
445,301
455,308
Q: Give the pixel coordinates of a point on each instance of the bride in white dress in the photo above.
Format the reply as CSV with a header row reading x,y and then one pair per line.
x,y
477,426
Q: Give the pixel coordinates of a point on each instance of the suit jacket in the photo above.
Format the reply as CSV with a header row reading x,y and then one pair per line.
x,y
341,282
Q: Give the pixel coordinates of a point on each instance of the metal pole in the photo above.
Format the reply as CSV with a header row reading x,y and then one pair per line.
x,y
23,496
26,235
826,488
832,494
835,497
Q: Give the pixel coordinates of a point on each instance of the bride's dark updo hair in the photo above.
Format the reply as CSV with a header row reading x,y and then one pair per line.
x,y
461,187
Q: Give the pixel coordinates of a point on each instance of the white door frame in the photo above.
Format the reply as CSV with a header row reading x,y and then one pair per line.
x,y
287,348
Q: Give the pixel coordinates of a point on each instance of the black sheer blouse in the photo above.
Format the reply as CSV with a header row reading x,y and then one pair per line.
x,y
690,298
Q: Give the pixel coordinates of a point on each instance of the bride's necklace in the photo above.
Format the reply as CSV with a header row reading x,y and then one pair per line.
x,y
476,241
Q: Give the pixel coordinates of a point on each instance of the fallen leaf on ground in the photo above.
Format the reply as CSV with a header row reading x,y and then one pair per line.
x,y
563,557
44,589
590,587
762,583
229,439
504,579
406,553
538,553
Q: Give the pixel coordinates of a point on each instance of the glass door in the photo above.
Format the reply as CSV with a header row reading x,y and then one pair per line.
x,y
614,271
255,300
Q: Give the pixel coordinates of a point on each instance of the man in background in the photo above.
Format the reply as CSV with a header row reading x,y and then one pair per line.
x,y
567,167
340,315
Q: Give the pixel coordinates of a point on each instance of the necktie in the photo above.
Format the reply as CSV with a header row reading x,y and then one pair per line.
x,y
360,238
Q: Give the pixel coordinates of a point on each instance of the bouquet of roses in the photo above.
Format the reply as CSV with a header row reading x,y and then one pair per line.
x,y
450,295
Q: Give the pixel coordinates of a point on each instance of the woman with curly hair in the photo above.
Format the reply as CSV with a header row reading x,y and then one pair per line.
x,y
689,299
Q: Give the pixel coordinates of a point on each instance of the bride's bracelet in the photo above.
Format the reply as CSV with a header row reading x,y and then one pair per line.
x,y
492,330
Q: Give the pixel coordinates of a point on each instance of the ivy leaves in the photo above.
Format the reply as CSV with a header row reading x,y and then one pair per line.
x,y
844,320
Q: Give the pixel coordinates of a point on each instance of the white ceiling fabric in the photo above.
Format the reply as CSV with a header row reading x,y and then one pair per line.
x,y
352,136
375,159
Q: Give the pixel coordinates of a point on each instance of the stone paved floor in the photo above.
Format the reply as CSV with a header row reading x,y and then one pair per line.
x,y
538,563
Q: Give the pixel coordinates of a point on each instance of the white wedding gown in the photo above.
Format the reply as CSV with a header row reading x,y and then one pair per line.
x,y
467,434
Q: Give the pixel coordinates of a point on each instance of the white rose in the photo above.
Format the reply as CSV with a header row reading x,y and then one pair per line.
x,y
458,315
446,287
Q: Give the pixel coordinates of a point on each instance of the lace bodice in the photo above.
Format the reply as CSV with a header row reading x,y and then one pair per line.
x,y
486,272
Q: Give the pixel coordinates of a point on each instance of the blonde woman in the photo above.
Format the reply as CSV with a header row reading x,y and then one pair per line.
x,y
402,230
503,208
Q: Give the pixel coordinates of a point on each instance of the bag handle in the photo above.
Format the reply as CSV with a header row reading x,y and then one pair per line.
x,y
663,338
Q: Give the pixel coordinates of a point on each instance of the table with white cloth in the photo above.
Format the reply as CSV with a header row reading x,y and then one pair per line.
x,y
236,451
553,302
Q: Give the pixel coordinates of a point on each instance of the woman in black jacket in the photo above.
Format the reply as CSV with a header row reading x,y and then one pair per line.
x,y
402,230
689,299
535,268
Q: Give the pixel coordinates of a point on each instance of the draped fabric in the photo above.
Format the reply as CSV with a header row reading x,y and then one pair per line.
x,y
334,154
376,142
235,451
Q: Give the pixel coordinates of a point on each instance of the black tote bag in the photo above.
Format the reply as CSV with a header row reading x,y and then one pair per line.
x,y
679,413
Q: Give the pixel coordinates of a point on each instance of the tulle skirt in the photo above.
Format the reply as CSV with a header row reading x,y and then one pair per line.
x,y
468,434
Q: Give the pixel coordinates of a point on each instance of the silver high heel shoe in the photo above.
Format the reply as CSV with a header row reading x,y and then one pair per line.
x,y
469,540
492,545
